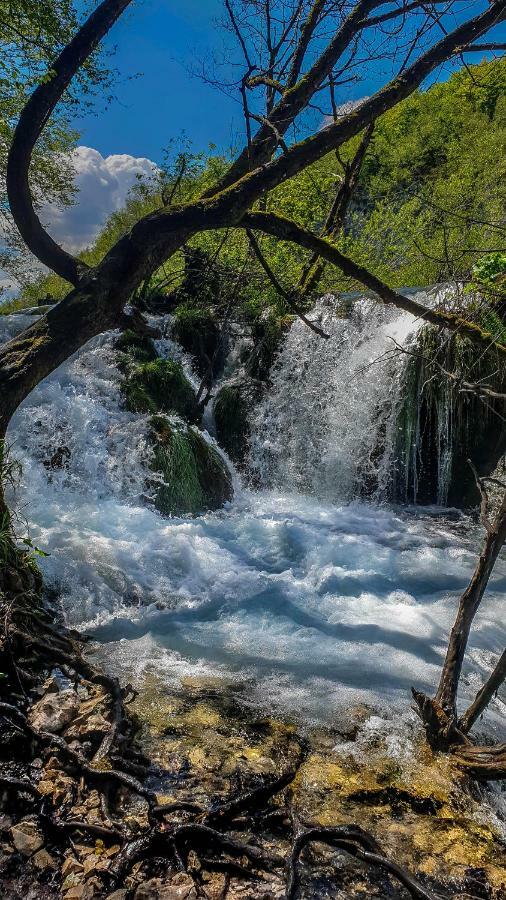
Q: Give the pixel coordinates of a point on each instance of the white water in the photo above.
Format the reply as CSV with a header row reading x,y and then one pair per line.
x,y
314,603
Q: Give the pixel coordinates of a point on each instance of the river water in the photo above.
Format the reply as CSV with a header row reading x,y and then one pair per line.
x,y
311,598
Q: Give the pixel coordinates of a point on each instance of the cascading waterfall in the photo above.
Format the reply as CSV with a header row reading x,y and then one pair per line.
x,y
314,602
329,424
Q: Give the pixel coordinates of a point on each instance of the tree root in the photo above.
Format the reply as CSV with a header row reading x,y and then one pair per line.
x,y
357,843
210,831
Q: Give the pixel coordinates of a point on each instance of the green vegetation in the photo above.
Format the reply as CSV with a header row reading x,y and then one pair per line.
x,y
161,386
194,476
431,193
31,34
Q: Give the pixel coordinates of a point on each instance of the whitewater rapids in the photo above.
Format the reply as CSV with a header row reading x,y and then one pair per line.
x,y
315,604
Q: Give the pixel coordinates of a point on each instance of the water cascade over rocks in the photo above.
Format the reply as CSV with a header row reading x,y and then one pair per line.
x,y
307,589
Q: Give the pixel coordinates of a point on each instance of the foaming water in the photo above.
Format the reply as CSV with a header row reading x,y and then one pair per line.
x,y
313,604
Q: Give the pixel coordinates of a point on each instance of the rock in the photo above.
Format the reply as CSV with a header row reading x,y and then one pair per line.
x,y
117,895
71,866
180,887
43,860
195,477
54,711
161,386
232,408
26,837
138,347
196,329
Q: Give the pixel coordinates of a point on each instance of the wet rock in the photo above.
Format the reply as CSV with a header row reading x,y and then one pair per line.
x,y
43,860
161,386
26,837
71,866
195,477
232,410
54,711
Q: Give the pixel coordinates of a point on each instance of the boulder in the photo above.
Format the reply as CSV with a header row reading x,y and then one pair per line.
x,y
195,328
161,386
195,478
232,409
137,347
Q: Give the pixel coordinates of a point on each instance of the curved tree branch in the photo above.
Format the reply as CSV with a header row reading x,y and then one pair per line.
x,y
31,123
286,230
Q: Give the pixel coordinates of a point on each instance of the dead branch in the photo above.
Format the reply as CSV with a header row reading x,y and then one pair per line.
x,y
484,695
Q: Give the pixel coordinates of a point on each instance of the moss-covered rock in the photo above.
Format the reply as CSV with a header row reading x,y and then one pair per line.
x,y
196,329
161,386
232,409
268,332
194,476
440,426
136,346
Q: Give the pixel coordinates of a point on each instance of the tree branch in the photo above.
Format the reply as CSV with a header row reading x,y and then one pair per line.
x,y
279,287
484,695
32,120
287,230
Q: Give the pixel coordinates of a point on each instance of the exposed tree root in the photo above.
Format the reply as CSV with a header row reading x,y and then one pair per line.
x,y
174,834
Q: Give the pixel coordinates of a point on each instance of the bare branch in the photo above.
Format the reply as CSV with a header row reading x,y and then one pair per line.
x,y
279,287
484,695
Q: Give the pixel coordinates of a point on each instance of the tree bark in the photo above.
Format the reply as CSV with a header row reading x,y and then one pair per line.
x,y
446,695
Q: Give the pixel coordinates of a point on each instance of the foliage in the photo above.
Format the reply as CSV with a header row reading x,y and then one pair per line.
x,y
430,202
31,34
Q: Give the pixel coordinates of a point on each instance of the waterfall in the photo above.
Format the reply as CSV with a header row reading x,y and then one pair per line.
x,y
313,603
328,426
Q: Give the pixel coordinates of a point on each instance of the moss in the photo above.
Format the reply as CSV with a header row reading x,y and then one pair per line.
x,y
440,427
195,477
161,386
136,346
231,415
268,333
196,329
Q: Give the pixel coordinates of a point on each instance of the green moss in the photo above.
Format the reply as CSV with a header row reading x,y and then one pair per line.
x,y
161,386
231,415
196,329
195,477
136,346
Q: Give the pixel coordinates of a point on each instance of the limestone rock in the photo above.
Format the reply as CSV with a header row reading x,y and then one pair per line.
x,y
180,887
26,837
43,860
54,711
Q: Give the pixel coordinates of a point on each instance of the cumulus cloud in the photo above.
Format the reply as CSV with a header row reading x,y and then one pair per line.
x,y
103,184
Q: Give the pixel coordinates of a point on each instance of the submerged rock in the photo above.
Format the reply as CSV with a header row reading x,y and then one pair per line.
x,y
194,476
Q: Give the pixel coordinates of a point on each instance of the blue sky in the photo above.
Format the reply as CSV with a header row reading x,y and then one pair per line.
x,y
160,40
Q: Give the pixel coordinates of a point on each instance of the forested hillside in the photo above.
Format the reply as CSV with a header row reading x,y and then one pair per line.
x,y
431,196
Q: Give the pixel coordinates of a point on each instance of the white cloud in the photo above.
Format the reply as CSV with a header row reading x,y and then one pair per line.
x,y
103,184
